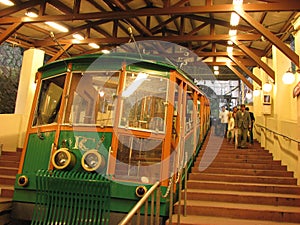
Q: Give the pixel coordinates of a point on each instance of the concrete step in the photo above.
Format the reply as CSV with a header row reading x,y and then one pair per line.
x,y
212,220
244,171
244,197
248,187
242,211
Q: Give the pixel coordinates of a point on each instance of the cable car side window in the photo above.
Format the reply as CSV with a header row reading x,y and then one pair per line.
x,y
49,101
144,102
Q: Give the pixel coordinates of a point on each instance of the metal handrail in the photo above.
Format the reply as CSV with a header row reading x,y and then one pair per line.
x,y
136,209
282,135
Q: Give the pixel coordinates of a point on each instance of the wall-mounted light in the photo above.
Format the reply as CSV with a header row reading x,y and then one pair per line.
x,y
57,26
216,72
32,12
248,95
256,92
267,87
288,77
7,2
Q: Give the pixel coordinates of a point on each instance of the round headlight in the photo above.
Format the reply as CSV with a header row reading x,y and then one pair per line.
x,y
92,160
140,191
23,181
63,159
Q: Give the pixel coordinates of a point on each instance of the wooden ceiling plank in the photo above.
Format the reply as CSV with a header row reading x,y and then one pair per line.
x,y
195,30
260,63
246,70
241,76
61,7
270,36
12,29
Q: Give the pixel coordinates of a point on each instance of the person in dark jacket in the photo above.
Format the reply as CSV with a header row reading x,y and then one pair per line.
x,y
252,124
243,123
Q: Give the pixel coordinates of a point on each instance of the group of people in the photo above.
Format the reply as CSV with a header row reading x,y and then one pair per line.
x,y
237,124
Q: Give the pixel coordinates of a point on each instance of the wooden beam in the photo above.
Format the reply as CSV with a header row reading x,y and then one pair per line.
x,y
245,69
261,64
292,5
12,29
270,36
179,38
60,53
241,76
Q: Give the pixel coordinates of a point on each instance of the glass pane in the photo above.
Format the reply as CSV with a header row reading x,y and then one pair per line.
x,y
144,99
92,98
49,101
138,158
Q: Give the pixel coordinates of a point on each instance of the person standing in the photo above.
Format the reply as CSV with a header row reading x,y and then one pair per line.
x,y
243,123
223,116
252,124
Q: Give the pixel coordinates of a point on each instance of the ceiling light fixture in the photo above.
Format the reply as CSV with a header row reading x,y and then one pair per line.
x,y
105,51
234,19
78,36
32,12
7,2
216,67
57,26
94,45
216,72
229,49
288,77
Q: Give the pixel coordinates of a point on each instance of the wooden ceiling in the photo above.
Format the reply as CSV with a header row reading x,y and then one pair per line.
x,y
202,26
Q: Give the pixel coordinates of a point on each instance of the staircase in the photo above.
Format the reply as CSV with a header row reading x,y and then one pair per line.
x,y
9,164
240,186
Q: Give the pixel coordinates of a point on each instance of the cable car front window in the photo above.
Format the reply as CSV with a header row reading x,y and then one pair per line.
x,y
144,102
91,98
49,101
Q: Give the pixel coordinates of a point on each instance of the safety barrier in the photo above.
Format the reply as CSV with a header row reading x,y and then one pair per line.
x,y
71,198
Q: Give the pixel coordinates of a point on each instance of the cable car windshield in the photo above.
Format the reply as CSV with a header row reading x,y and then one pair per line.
x,y
92,98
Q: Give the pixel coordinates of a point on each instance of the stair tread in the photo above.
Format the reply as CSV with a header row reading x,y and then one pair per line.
x,y
210,220
6,186
239,206
244,193
241,175
5,200
242,183
241,169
